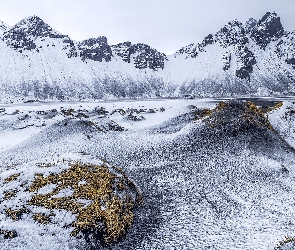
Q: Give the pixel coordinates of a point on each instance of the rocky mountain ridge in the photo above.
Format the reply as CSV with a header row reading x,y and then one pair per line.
x,y
255,58
268,29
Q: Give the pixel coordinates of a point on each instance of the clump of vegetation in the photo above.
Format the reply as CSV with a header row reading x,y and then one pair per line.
x,y
284,242
11,178
277,106
10,194
202,113
111,197
42,218
8,234
16,214
235,116
221,105
255,115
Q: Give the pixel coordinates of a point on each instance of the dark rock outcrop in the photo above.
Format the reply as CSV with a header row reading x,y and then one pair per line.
x,y
232,33
245,60
250,25
268,28
23,35
96,49
226,58
142,55
123,50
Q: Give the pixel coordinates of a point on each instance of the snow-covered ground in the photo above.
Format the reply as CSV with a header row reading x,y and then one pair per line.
x,y
203,188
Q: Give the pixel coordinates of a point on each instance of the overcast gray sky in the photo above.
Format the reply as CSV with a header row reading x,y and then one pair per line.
x,y
166,25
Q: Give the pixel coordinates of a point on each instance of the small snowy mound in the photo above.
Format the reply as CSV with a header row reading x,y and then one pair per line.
x,y
69,202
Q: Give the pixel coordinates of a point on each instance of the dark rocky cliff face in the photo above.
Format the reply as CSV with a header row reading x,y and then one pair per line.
x,y
23,35
238,36
123,50
32,27
268,28
232,34
142,55
147,57
96,49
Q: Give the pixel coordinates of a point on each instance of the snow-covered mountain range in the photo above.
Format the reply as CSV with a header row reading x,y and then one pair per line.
x,y
38,62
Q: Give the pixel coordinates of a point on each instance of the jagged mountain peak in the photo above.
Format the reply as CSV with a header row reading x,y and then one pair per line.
x,y
233,33
3,27
239,54
30,20
233,26
269,28
35,27
94,41
249,25
234,22
22,36
143,55
96,49
269,17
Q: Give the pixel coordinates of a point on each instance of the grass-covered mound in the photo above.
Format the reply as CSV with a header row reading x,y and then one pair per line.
x,y
91,201
234,116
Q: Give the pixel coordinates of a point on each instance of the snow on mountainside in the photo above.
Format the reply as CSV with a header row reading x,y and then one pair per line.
x,y
3,27
37,62
250,56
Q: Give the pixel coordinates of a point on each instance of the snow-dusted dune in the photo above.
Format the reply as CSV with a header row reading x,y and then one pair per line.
x,y
223,181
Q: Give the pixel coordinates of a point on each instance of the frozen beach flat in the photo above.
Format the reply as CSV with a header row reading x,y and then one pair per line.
x,y
212,176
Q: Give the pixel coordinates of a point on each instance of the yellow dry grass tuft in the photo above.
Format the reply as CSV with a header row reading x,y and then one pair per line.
x,y
201,113
277,106
285,241
8,234
236,116
41,218
109,212
255,115
15,214
10,194
253,108
11,178
221,105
